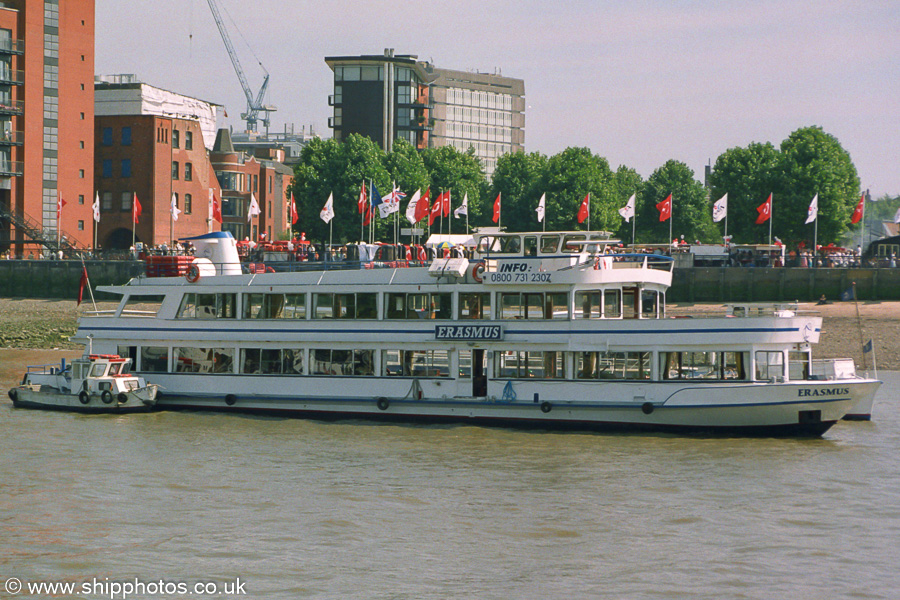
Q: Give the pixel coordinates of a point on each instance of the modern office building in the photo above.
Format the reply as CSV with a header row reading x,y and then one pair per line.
x,y
47,124
397,96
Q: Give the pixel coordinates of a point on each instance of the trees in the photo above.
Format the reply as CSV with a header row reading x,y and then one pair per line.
x,y
572,174
691,216
518,177
460,172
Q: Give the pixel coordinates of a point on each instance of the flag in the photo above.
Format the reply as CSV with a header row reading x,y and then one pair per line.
x,y
848,294
442,204
436,209
412,207
897,216
812,213
367,218
375,201
59,206
764,210
253,211
868,347
627,211
463,208
391,202
422,208
135,210
174,208
858,211
327,212
496,217
720,209
541,208
585,208
96,207
362,202
81,283
446,204
217,209
665,209
294,216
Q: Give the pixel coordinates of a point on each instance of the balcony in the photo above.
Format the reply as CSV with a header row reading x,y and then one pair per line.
x,y
11,138
10,168
332,102
12,107
10,77
11,46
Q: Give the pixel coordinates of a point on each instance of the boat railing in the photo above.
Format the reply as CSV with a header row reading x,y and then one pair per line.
x,y
99,313
832,369
744,312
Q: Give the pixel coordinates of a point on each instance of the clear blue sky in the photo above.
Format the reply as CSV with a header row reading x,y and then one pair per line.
x,y
637,82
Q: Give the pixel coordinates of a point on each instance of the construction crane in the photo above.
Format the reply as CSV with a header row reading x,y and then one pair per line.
x,y
254,105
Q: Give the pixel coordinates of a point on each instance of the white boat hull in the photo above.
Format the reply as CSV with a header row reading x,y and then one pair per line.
x,y
48,398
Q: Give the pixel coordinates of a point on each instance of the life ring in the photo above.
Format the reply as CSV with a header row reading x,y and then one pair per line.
x,y
193,274
84,397
122,397
230,399
546,407
382,403
13,394
477,270
106,396
647,407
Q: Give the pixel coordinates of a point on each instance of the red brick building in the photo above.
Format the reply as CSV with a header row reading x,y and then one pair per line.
x,y
46,122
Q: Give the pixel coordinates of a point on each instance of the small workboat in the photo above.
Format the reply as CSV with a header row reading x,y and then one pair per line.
x,y
95,383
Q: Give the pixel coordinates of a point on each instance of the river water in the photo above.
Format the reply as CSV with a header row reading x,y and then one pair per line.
x,y
291,508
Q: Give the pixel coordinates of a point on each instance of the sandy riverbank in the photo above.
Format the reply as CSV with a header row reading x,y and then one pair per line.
x,y
26,323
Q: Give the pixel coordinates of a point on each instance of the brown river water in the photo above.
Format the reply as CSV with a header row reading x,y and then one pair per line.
x,y
244,507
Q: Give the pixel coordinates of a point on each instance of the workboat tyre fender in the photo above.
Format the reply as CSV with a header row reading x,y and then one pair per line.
x,y
106,396
13,394
382,403
122,397
230,399
546,407
84,397
193,274
647,407
477,270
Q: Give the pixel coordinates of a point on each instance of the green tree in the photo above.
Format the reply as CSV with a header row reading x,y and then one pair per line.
x,y
627,182
518,177
691,215
461,173
570,176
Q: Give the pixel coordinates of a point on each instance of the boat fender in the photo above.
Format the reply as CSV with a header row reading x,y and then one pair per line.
x,y
647,407
84,397
13,394
106,396
382,403
230,399
122,397
193,274
477,270
546,407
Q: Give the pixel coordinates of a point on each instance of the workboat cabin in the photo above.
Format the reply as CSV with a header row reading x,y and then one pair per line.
x,y
562,328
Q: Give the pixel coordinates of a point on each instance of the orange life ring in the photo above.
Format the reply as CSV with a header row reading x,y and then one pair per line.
x,y
193,274
477,270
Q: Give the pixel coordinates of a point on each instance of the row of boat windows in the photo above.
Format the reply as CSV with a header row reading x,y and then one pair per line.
x,y
587,304
508,364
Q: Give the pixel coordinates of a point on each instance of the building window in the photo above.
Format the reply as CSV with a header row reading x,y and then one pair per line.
x,y
80,173
107,167
126,201
188,140
80,225
80,198
188,171
126,167
175,169
126,136
82,116
107,136
188,201
81,144
106,205
175,138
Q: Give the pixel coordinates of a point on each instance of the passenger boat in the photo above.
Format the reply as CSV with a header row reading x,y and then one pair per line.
x,y
537,329
95,383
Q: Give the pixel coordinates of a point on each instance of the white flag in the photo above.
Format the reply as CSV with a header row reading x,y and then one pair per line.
x,y
720,208
411,207
327,212
463,208
897,216
541,208
813,211
174,208
96,207
254,208
627,211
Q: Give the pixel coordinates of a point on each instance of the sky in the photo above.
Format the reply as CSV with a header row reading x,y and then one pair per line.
x,y
638,82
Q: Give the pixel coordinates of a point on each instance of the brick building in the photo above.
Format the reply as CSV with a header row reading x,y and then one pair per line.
x,y
46,123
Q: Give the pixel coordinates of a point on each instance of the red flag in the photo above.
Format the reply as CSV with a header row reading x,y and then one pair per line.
x,y
585,208
368,217
446,203
217,210
363,202
665,209
60,203
422,208
294,216
136,210
496,218
436,208
764,210
81,284
858,211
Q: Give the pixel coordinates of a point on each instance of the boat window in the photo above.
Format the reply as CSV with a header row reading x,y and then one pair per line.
x,y
510,244
769,365
114,368
630,303
98,369
154,359
488,244
128,352
416,363
265,306
142,306
703,365
530,245
612,304
203,360
512,364
475,305
587,304
549,244
798,365
465,363
569,246
649,304
207,306
612,365
342,362
418,306
534,305
272,361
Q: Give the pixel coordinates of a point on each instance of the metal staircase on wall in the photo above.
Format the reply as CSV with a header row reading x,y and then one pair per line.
x,y
47,237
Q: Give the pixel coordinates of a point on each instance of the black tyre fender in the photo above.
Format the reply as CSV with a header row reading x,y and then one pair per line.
x,y
122,397
84,397
382,403
546,407
230,399
106,396
647,407
13,394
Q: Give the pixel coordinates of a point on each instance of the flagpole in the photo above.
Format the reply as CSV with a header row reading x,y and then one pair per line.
x,y
90,291
671,215
589,211
771,217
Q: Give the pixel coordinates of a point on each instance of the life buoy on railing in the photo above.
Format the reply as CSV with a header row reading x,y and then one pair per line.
x,y
477,270
106,396
193,274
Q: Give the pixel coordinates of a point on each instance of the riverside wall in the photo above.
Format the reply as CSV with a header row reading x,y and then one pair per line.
x,y
59,279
